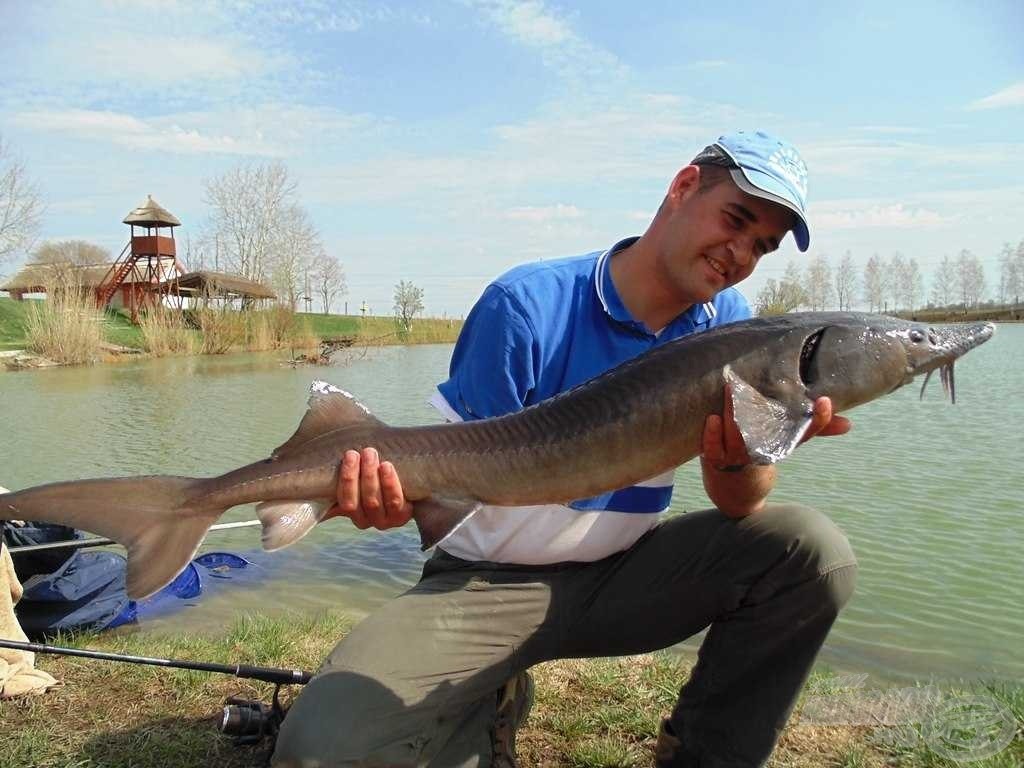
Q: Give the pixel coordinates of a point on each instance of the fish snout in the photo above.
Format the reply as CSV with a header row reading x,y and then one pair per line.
x,y
950,342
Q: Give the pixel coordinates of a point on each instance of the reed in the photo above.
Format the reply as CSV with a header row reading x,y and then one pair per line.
x,y
259,336
278,328
164,332
66,328
222,329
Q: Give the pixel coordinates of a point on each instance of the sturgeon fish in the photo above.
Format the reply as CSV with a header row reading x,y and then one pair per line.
x,y
622,427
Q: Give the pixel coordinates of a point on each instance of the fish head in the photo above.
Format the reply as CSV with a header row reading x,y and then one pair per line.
x,y
858,359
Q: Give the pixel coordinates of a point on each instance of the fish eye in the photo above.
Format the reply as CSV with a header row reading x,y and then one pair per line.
x,y
916,336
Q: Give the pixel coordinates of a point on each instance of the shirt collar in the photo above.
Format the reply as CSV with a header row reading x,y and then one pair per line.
x,y
608,295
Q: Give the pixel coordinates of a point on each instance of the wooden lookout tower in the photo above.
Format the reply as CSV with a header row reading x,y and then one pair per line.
x,y
149,258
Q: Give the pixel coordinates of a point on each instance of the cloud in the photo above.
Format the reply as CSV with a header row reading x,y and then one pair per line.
x,y
179,58
344,17
866,158
528,21
1011,96
543,214
709,64
584,66
890,129
859,215
130,131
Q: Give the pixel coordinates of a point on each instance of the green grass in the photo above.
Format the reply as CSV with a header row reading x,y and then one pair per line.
x,y
599,713
12,323
370,331
117,327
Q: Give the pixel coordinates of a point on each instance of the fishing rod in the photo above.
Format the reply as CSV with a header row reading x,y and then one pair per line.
x,y
248,721
266,674
102,542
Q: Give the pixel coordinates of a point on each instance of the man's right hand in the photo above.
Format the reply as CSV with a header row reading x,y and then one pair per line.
x,y
369,492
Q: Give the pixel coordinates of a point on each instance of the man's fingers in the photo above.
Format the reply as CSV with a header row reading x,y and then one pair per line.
x,y
348,483
369,488
824,422
713,444
735,447
397,510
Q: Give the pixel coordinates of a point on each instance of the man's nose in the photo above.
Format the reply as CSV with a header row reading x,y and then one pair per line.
x,y
742,249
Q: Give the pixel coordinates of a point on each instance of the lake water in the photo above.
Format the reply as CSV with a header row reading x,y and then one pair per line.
x,y
930,494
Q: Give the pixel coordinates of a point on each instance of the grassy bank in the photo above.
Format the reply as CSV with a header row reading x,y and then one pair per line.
x,y
253,333
994,314
587,713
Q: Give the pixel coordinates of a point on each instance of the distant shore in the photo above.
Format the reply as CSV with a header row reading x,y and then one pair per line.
x,y
316,333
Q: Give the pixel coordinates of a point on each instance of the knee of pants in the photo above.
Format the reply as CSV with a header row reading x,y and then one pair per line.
x,y
343,718
811,547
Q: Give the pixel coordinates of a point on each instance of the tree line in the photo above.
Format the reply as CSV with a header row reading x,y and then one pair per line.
x,y
892,284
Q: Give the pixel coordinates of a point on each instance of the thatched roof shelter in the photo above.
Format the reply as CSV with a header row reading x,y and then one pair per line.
x,y
33,278
151,214
204,283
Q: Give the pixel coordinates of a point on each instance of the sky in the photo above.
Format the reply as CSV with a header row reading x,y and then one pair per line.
x,y
444,142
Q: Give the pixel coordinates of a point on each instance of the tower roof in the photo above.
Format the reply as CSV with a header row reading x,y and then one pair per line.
x,y
152,214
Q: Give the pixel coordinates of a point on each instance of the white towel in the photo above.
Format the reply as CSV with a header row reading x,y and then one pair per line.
x,y
18,677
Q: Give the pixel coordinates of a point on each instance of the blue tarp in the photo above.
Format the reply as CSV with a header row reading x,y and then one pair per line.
x,y
87,590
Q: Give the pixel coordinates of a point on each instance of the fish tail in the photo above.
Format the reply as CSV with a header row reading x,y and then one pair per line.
x,y
153,517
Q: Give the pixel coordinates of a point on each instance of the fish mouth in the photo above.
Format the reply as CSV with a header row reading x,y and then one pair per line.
x,y
948,343
807,352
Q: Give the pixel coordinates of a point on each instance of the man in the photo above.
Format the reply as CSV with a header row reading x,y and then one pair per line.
x,y
437,676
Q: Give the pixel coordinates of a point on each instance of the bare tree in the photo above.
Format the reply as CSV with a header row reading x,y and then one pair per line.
x,y
248,202
20,206
819,283
76,252
296,244
1011,273
970,279
1020,272
893,276
911,285
408,303
944,283
779,297
846,282
874,283
330,279
65,259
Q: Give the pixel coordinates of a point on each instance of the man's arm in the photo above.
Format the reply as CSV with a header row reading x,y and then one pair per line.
x,y
734,485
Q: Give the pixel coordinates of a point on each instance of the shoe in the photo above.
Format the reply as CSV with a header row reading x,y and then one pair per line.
x,y
515,699
669,751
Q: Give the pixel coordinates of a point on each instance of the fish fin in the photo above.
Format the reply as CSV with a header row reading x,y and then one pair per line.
x,y
330,409
151,516
771,429
285,522
162,551
437,517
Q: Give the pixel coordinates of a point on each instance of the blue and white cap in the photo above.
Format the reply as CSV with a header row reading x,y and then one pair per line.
x,y
766,167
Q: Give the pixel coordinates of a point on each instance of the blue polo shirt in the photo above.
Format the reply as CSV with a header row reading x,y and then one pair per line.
x,y
544,327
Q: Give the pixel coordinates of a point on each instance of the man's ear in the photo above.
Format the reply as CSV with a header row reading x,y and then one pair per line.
x,y
685,182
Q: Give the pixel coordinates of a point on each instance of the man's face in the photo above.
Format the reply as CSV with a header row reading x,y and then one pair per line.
x,y
716,236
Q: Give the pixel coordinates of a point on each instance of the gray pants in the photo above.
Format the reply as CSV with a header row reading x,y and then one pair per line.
x,y
414,684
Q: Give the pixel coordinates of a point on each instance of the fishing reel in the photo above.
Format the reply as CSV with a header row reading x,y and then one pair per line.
x,y
250,721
